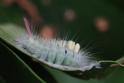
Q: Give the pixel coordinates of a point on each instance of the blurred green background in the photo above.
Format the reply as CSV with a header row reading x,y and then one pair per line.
x,y
106,45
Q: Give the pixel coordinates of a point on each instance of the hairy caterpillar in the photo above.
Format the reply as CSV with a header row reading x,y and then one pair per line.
x,y
57,52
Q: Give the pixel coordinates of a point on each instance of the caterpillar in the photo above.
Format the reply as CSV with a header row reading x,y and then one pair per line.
x,y
57,51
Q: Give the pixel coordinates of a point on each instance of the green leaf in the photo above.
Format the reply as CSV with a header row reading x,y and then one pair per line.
x,y
115,77
10,32
14,69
